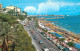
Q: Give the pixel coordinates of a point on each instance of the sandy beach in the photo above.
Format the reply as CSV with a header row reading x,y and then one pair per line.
x,y
69,36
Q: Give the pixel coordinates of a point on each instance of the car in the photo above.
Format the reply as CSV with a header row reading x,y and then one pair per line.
x,y
45,48
28,29
27,25
60,47
35,37
24,24
40,42
31,31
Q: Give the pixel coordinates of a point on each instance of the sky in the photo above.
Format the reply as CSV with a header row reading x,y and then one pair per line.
x,y
46,7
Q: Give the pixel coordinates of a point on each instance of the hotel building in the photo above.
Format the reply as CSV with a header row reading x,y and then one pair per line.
x,y
0,6
16,9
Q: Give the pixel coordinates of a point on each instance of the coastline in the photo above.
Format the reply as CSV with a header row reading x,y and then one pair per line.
x,y
66,29
71,23
70,36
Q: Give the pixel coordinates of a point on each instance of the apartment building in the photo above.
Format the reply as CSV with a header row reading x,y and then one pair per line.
x,y
16,9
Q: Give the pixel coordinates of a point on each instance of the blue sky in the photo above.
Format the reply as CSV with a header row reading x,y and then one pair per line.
x,y
46,7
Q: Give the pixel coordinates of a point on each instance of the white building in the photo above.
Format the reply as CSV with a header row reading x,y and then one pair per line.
x,y
16,9
1,8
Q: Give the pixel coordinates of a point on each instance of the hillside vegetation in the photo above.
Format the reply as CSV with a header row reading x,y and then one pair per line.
x,y
13,37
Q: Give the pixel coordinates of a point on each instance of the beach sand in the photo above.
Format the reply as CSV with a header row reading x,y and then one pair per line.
x,y
70,36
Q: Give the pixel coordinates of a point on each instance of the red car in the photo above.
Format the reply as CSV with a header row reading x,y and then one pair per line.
x,y
24,24
31,31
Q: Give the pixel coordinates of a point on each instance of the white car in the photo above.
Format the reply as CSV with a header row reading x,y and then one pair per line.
x,y
45,49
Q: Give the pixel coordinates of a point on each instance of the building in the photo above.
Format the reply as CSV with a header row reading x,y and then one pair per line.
x,y
0,6
16,9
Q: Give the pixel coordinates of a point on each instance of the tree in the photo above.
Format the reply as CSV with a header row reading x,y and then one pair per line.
x,y
11,12
19,37
62,39
4,9
71,44
53,35
49,32
21,17
6,34
25,13
79,50
20,43
57,39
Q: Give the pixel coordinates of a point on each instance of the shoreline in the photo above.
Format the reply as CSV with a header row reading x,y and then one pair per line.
x,y
70,36
65,29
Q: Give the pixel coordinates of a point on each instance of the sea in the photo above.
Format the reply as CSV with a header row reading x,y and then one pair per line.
x,y
70,23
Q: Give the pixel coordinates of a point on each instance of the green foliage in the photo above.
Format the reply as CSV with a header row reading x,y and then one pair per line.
x,y
57,37
7,18
23,41
40,27
49,32
21,17
25,13
53,34
5,29
18,15
62,39
79,50
19,37
11,12
71,44
29,18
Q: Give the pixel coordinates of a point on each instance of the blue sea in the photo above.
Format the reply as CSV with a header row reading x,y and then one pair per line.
x,y
70,23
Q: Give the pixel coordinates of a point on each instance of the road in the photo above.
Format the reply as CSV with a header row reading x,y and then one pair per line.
x,y
46,42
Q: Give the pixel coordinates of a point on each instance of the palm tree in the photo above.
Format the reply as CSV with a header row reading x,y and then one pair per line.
x,y
4,9
62,39
57,39
53,35
71,44
6,32
3,35
10,12
25,13
79,50
49,32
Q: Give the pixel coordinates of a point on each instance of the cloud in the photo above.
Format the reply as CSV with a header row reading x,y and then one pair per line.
x,y
30,9
48,7
45,7
78,4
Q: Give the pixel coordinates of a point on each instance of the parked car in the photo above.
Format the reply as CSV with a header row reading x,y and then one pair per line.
x,y
35,37
40,42
31,31
45,48
24,24
66,49
28,29
60,47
